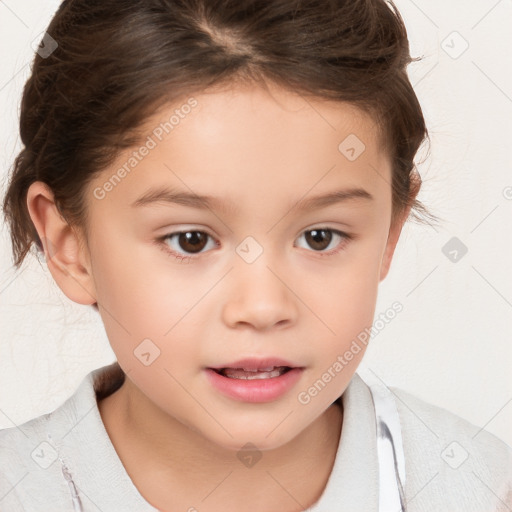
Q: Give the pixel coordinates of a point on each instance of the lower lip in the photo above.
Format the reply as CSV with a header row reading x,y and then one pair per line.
x,y
255,390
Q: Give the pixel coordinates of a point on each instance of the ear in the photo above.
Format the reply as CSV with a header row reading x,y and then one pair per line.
x,y
67,259
396,227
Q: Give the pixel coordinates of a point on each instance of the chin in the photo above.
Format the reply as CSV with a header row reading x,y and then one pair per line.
x,y
253,440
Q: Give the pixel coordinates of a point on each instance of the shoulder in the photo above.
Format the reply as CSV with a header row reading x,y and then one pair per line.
x,y
451,464
27,463
33,466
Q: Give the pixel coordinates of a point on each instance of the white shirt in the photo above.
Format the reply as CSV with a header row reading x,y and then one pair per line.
x,y
64,460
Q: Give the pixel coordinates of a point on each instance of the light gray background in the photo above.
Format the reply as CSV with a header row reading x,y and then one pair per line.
x,y
452,343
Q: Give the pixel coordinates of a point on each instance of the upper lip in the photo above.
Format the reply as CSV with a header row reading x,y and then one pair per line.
x,y
254,363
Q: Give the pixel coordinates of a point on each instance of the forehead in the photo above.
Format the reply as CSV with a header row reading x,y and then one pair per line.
x,y
244,143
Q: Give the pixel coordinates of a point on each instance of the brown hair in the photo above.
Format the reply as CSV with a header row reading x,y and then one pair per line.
x,y
117,62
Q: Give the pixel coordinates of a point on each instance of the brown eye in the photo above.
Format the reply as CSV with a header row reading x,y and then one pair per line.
x,y
192,241
185,244
319,239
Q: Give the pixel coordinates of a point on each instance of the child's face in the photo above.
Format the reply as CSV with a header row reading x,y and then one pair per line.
x,y
258,285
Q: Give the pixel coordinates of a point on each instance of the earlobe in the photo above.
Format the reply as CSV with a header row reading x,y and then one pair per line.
x,y
64,255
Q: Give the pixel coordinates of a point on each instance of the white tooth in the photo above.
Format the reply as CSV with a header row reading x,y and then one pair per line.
x,y
260,375
269,369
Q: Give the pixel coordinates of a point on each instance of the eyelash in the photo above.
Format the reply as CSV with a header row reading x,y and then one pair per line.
x,y
161,242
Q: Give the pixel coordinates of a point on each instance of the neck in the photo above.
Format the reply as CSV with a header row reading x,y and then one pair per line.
x,y
162,455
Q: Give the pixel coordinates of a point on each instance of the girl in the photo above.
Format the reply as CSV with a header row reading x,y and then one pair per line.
x,y
225,182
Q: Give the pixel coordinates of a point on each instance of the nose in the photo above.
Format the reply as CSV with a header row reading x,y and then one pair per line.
x,y
259,296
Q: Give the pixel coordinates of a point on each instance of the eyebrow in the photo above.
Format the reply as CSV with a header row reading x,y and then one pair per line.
x,y
166,195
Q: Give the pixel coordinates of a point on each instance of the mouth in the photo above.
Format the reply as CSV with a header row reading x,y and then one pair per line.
x,y
255,368
255,380
252,374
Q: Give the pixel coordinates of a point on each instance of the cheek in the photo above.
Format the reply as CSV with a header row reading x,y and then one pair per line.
x,y
148,305
346,305
128,302
346,295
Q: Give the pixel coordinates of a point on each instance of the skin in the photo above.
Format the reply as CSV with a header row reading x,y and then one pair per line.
x,y
177,436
